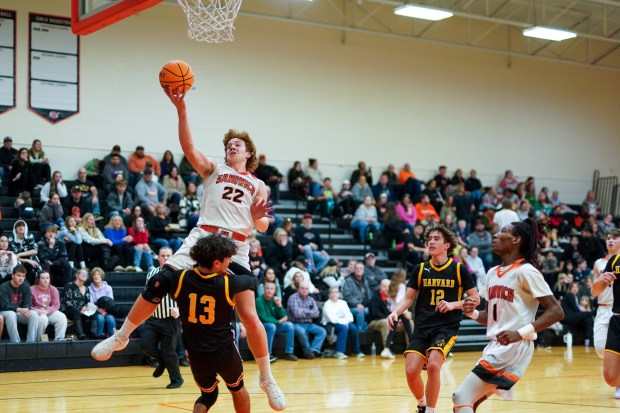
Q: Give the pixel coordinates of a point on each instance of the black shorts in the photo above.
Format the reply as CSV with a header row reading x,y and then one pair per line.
x,y
613,335
440,337
206,365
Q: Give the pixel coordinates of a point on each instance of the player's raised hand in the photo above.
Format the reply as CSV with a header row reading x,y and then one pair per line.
x,y
261,208
176,96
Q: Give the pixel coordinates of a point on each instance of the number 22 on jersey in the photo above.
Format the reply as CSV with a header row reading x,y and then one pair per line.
x,y
208,311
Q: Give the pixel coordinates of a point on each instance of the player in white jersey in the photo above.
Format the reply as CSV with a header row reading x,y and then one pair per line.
x,y
605,296
513,291
233,204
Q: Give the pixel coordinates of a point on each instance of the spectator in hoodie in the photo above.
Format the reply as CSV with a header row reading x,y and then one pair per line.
x,y
76,206
46,302
53,257
150,193
99,288
24,246
50,212
69,234
8,261
15,306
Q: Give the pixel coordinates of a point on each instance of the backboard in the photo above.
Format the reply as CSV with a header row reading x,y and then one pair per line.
x,y
88,16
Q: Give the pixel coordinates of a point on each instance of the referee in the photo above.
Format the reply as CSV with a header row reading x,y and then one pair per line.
x,y
163,327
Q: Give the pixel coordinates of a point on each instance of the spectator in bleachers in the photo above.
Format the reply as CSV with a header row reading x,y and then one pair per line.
x,y
581,270
166,163
150,193
270,175
474,187
279,252
482,240
436,199
356,293
489,199
607,224
508,182
426,211
326,201
378,311
96,246
76,206
299,266
120,201
140,244
476,267
406,211
449,222
381,205
297,181
110,171
50,212
176,190
7,155
571,251
69,233
314,174
20,178
308,242
161,231
257,262
189,208
98,289
373,274
392,176
336,314
543,201
408,181
275,320
524,210
361,190
116,150
383,187
365,220
74,302
93,169
562,285
418,251
457,178
23,204
395,229
89,191
364,171
448,209
116,232
331,275
590,247
346,202
504,216
443,182
53,257
590,205
46,302
188,173
40,164
576,316
302,309
270,276
24,246
137,163
16,306
463,205
291,289
8,260
55,186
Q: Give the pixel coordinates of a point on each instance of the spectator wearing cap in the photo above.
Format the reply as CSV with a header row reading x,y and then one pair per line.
x,y
138,163
50,212
7,155
76,206
150,193
113,168
55,186
270,175
356,293
116,150
372,273
383,187
308,242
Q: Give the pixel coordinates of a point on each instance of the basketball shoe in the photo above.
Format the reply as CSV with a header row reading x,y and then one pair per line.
x,y
274,394
617,393
421,409
103,351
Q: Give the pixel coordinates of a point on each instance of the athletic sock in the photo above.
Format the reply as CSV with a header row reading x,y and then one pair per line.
x,y
430,409
422,401
127,328
264,367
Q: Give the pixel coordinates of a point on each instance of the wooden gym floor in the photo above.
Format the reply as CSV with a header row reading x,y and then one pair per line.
x,y
551,384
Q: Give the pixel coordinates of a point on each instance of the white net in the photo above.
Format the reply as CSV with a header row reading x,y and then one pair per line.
x,y
211,22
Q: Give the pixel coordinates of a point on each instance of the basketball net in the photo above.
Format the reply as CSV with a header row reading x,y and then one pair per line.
x,y
212,22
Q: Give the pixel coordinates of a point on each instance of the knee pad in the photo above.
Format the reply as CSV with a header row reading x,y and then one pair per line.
x,y
238,387
208,399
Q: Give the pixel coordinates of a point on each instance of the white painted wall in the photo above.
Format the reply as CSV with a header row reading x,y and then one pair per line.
x,y
301,93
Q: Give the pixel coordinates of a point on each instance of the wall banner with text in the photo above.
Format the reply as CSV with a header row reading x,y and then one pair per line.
x,y
54,70
7,60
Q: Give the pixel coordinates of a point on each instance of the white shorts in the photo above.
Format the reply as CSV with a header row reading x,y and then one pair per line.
x,y
181,259
504,365
601,324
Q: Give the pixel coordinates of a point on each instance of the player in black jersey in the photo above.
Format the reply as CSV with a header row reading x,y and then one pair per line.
x,y
611,358
438,285
206,297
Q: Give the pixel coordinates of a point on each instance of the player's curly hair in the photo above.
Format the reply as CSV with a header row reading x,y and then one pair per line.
x,y
252,162
530,240
448,236
211,248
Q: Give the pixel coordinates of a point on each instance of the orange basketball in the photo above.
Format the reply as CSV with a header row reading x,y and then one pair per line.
x,y
176,73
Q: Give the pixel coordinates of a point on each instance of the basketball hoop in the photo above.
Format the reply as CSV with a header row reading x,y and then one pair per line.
x,y
212,22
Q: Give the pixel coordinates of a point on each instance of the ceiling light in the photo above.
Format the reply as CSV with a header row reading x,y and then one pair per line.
x,y
422,12
548,33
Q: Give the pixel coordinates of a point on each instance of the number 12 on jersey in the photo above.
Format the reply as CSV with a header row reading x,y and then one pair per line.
x,y
437,296
208,311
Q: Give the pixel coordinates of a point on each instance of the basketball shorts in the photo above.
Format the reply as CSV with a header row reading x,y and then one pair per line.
x,y
613,335
181,259
601,325
504,365
440,337
226,363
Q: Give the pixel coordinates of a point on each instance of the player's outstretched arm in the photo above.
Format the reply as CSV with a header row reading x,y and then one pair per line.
x,y
445,306
201,163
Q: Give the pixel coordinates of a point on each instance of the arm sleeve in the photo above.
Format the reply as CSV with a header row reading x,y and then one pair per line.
x,y
159,285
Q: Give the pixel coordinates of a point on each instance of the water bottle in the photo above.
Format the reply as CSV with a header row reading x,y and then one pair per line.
x,y
373,349
568,339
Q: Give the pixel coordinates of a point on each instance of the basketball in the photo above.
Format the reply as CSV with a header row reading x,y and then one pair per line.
x,y
176,73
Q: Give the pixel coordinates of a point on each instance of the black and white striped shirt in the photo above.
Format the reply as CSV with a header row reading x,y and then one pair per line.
x,y
166,303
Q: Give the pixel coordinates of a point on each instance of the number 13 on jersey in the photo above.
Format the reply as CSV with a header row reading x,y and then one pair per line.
x,y
208,311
